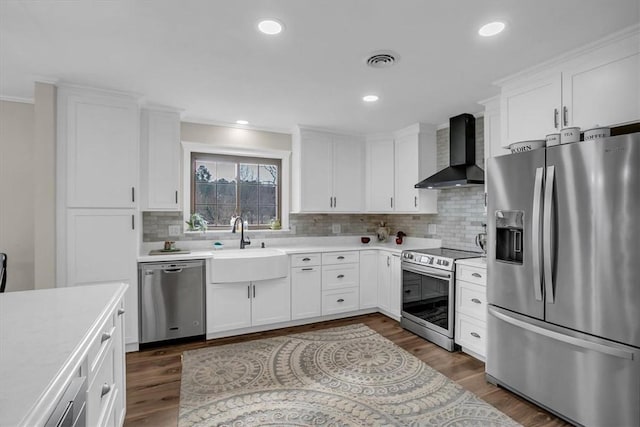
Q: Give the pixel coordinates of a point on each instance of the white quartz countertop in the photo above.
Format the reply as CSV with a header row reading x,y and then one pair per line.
x,y
474,262
301,246
43,337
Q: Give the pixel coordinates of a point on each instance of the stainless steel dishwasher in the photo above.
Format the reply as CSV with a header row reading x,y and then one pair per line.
x,y
172,300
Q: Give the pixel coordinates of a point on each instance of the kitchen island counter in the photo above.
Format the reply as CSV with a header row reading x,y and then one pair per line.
x,y
44,337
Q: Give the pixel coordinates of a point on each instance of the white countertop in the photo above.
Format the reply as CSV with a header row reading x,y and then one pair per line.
x,y
474,262
292,246
43,337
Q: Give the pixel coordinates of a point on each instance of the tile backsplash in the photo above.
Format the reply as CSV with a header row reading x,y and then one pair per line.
x,y
460,214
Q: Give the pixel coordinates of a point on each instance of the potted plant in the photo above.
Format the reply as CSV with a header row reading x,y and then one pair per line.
x,y
197,223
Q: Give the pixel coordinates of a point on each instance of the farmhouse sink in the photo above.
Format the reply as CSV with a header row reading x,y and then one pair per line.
x,y
244,265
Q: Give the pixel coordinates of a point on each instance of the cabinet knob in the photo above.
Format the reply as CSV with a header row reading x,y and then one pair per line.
x,y
340,257
474,334
340,276
476,300
308,269
477,275
120,311
105,336
340,300
106,388
306,259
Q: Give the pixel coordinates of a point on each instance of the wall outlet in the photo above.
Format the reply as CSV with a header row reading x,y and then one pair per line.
x,y
174,230
336,228
432,229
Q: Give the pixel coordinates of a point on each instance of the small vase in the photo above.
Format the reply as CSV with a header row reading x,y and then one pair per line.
x,y
383,234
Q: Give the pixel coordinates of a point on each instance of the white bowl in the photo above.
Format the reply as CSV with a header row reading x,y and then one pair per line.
x,y
522,146
568,135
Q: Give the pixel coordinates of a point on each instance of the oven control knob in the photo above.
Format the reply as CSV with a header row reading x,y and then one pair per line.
x,y
445,263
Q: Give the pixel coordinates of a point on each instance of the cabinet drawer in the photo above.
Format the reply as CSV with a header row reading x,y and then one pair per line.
x,y
340,301
101,342
471,274
101,390
340,276
340,257
471,299
301,260
471,334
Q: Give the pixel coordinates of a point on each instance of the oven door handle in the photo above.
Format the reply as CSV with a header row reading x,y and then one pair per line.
x,y
426,272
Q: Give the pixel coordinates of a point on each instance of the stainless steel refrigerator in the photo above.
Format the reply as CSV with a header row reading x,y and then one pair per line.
x,y
563,264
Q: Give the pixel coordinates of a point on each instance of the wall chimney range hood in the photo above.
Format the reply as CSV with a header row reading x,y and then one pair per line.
x,y
462,170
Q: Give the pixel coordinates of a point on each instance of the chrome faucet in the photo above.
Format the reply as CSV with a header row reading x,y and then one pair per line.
x,y
243,242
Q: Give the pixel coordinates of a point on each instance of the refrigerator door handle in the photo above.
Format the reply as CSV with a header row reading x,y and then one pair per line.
x,y
546,240
536,236
578,342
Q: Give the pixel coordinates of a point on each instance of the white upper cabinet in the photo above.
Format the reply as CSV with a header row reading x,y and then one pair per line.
x,y
492,138
160,154
327,172
395,164
380,175
100,134
596,85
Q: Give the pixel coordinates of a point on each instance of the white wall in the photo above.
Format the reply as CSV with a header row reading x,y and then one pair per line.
x,y
234,137
17,176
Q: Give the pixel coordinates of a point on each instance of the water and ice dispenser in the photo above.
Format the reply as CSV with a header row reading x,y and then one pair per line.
x,y
509,234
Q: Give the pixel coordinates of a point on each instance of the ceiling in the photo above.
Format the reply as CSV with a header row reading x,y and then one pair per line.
x,y
207,58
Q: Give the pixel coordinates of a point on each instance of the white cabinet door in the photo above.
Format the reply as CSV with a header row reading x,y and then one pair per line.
x,y
228,306
384,281
380,176
531,111
306,292
98,135
102,247
271,301
316,171
604,92
160,148
348,171
368,279
395,288
407,155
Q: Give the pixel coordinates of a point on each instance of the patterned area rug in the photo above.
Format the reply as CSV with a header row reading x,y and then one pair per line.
x,y
345,376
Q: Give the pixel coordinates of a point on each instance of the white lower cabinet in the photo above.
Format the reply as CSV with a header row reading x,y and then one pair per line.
x,y
244,304
340,300
368,279
471,308
389,283
340,282
306,292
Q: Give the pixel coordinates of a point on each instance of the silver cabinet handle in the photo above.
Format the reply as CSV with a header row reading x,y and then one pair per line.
x,y
306,259
308,269
249,291
555,118
391,200
477,275
106,388
474,334
105,336
415,201
120,311
330,202
565,115
335,202
340,257
340,300
254,291
388,261
476,300
176,197
133,194
340,276
133,222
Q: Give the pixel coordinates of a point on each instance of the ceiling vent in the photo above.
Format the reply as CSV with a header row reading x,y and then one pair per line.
x,y
382,59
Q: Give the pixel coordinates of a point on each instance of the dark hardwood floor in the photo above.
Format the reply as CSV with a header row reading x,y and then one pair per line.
x,y
153,376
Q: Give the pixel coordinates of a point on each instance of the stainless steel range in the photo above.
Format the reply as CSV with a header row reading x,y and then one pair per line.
x,y
428,289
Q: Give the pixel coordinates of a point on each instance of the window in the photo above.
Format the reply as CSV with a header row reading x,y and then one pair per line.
x,y
223,186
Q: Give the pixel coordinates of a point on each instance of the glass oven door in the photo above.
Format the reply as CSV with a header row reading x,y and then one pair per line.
x,y
428,297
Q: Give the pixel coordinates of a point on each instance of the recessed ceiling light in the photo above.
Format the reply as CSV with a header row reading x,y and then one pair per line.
x,y
270,27
370,98
491,29
242,122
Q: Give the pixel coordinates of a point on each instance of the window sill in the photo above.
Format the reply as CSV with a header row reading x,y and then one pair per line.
x,y
249,231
